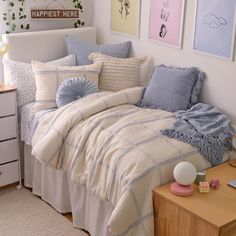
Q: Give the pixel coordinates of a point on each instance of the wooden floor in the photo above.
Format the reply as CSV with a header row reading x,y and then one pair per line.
x,y
68,216
9,186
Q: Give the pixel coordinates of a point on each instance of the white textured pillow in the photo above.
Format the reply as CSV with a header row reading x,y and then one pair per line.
x,y
49,77
21,75
118,73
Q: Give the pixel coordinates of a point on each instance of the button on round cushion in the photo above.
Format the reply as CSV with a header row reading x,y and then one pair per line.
x,y
73,89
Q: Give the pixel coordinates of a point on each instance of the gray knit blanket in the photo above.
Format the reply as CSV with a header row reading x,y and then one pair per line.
x,y
206,128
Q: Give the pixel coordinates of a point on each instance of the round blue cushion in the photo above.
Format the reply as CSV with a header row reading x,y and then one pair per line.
x,y
73,89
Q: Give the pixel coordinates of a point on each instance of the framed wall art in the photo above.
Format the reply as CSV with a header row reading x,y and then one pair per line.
x,y
166,21
125,17
215,28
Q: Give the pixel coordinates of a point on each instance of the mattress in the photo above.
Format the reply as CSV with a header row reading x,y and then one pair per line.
x,y
29,121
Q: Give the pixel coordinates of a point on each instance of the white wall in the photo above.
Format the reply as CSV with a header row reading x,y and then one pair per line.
x,y
220,86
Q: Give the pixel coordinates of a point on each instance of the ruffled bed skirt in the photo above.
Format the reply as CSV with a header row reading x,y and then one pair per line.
x,y
54,187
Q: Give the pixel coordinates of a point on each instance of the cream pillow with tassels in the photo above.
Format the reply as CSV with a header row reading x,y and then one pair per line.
x,y
49,77
118,73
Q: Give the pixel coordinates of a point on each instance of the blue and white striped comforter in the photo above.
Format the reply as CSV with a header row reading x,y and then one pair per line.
x,y
116,150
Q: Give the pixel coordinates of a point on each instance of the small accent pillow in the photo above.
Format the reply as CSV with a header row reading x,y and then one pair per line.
x,y
118,73
172,88
83,50
73,89
49,77
21,75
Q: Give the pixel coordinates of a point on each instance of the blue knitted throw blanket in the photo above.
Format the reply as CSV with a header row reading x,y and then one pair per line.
x,y
204,127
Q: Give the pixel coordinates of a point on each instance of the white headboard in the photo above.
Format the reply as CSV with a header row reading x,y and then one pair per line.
x,y
44,45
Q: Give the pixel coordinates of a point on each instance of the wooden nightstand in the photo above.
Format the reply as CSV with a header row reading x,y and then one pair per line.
x,y
198,215
9,142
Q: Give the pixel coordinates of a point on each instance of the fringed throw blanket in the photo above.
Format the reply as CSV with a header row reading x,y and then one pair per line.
x,y
204,127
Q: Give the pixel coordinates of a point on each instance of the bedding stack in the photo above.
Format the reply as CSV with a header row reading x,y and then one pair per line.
x,y
100,141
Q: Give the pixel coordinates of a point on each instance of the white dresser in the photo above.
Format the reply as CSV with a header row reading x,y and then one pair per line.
x,y
9,145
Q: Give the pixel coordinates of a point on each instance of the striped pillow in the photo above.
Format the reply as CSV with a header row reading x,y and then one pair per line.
x,y
49,77
118,73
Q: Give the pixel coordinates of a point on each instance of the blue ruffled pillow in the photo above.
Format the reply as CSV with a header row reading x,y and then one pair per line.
x,y
173,88
73,89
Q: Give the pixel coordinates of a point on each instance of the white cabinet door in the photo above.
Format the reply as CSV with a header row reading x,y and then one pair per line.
x,y
7,127
9,173
7,104
8,151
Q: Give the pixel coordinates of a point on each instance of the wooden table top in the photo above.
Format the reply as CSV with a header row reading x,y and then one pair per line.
x,y
4,88
218,206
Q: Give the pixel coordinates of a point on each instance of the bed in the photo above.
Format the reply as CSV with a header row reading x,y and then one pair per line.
x,y
105,173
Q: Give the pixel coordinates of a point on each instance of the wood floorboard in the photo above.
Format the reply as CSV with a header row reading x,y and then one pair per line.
x,y
9,186
68,216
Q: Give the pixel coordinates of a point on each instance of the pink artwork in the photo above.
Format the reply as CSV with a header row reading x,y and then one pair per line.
x,y
166,19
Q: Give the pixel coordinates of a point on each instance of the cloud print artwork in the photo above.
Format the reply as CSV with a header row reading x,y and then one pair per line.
x,y
214,28
213,21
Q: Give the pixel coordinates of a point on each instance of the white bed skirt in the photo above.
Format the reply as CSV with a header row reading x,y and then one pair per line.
x,y
54,187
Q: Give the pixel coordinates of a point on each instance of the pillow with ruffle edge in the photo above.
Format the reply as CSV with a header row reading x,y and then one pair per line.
x,y
197,88
193,90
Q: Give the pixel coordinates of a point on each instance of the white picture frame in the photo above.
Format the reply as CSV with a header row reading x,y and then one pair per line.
x,y
214,28
125,17
176,10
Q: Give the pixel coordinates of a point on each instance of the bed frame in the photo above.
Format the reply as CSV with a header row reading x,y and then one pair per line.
x,y
54,185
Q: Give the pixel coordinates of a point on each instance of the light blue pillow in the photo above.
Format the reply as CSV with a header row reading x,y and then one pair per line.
x,y
73,89
82,49
172,88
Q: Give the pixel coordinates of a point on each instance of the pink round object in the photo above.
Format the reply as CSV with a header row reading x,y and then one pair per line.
x,y
181,190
